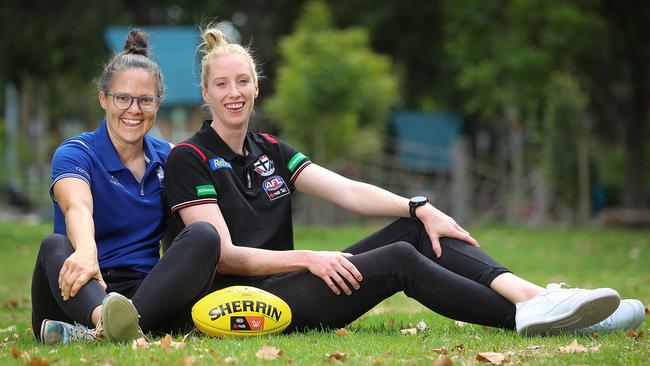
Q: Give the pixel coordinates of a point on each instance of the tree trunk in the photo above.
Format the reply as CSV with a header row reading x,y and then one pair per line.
x,y
635,164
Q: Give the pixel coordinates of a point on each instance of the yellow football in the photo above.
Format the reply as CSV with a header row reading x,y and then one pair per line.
x,y
241,311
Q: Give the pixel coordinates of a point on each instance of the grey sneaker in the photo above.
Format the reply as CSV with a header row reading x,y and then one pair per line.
x,y
628,316
120,319
560,310
58,332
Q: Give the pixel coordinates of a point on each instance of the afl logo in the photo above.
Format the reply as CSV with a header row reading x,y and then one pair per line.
x,y
273,183
264,166
275,187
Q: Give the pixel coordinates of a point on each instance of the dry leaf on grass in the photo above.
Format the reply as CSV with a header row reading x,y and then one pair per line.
x,y
339,356
37,361
494,358
409,331
635,336
459,323
230,360
647,309
11,304
534,348
168,342
441,350
15,352
140,343
421,326
573,347
459,347
443,361
187,361
268,353
342,332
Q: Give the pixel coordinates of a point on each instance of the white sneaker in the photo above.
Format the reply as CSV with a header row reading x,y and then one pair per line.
x,y
629,315
558,310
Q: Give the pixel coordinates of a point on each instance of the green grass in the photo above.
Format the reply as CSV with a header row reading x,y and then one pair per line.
x,y
619,259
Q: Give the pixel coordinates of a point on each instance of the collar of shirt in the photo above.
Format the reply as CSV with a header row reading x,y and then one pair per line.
x,y
108,153
213,142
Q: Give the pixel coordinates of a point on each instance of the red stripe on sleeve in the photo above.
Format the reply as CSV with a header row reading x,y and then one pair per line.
x,y
193,147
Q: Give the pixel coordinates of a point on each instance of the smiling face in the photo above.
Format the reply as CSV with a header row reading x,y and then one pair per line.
x,y
230,90
128,127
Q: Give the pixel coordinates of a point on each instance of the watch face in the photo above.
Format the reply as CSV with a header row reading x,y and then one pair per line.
x,y
418,200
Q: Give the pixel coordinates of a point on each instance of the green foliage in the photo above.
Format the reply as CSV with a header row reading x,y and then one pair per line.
x,y
329,85
563,119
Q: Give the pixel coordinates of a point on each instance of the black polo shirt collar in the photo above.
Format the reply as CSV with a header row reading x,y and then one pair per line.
x,y
213,142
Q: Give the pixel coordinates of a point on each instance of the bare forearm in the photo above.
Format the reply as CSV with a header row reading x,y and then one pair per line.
x,y
366,199
246,261
80,228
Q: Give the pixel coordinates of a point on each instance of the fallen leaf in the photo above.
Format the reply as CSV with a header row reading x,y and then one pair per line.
x,y
11,304
15,352
573,347
443,361
494,358
459,323
409,331
37,361
188,361
647,309
421,326
268,353
230,360
166,342
86,359
534,348
442,350
140,343
339,356
342,332
635,336
596,348
459,347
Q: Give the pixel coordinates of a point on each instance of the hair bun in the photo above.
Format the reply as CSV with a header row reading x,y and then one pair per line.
x,y
137,43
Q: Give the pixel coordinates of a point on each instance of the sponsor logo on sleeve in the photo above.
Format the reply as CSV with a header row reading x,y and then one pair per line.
x,y
295,161
219,163
205,190
275,187
264,166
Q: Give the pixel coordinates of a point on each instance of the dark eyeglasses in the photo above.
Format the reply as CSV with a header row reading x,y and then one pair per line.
x,y
123,101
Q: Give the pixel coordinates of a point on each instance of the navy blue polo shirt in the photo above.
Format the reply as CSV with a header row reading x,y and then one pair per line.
x,y
128,216
253,191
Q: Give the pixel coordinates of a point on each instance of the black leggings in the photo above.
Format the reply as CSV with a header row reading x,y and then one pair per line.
x,y
164,297
397,258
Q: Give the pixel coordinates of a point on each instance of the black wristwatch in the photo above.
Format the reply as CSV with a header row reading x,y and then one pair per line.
x,y
416,202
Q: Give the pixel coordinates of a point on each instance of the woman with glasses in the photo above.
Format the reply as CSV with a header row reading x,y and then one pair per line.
x,y
99,275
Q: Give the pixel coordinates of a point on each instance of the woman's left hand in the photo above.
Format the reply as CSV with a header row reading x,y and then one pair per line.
x,y
438,224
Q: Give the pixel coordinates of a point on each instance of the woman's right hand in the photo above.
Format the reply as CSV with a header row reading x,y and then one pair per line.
x,y
77,270
335,269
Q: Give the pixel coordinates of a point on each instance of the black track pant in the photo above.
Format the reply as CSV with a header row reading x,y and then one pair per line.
x,y
164,297
397,258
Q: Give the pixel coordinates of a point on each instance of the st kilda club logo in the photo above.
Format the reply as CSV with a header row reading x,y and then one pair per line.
x,y
264,166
